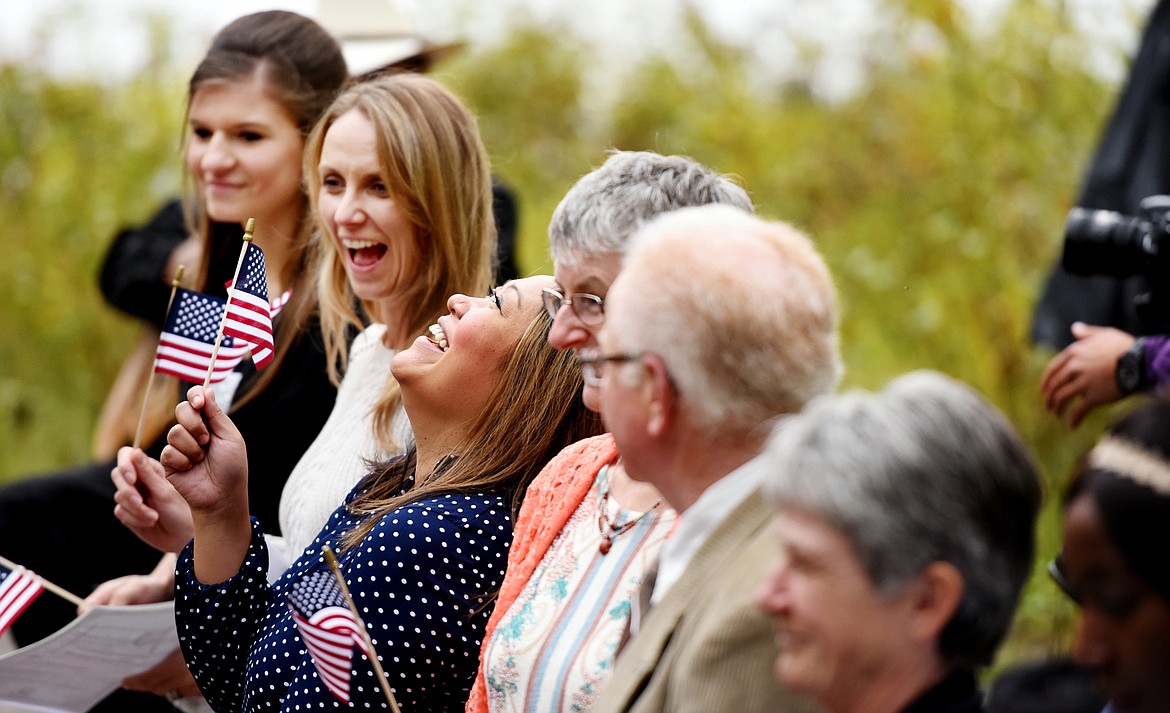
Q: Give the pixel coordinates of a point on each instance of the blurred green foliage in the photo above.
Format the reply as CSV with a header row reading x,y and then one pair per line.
x,y
78,160
937,194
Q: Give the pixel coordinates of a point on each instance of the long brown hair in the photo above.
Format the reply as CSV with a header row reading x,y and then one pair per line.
x,y
303,70
436,167
534,412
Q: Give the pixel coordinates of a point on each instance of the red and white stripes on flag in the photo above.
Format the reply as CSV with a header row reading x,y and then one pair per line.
x,y
328,628
188,339
249,317
18,589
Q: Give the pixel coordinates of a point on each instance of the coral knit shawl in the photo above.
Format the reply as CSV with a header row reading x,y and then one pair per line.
x,y
550,501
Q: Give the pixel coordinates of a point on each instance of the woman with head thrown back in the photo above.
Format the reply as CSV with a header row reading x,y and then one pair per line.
x,y
587,534
1113,562
252,101
422,540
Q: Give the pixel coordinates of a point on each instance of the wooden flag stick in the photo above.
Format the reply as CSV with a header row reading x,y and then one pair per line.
x,y
332,560
150,377
63,593
249,227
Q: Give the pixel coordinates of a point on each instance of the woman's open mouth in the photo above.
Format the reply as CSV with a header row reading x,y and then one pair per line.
x,y
438,337
364,253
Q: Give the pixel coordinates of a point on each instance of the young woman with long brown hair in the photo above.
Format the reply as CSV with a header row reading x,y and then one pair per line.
x,y
251,103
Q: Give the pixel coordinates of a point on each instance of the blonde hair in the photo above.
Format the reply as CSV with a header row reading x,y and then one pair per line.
x,y
436,167
532,414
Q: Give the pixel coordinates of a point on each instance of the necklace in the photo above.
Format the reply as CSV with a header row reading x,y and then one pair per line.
x,y
610,530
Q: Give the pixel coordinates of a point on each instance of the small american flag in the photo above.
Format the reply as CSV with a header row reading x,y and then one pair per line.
x,y
188,339
249,316
328,628
18,589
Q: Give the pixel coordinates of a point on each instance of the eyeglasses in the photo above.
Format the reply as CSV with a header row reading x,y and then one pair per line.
x,y
1117,602
590,309
593,364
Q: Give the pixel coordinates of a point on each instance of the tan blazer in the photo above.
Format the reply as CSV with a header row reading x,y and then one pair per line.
x,y
705,647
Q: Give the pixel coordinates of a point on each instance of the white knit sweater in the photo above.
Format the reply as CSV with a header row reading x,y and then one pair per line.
x,y
336,460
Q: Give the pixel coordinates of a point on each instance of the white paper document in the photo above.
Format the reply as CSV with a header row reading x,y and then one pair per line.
x,y
84,662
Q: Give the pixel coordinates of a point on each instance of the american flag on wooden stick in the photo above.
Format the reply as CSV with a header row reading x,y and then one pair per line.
x,y
18,589
249,317
328,628
188,339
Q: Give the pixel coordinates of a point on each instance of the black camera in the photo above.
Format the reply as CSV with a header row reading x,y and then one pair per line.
x,y
1104,242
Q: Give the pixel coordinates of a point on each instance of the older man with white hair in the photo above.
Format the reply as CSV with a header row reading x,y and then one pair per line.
x,y
718,324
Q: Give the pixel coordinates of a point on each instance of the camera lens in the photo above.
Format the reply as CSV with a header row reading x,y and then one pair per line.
x,y
1102,242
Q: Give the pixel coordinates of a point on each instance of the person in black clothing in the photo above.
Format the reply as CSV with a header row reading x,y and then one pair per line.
x,y
252,101
1057,685
906,527
1132,161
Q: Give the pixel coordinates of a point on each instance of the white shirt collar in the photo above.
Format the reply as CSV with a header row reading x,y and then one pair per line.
x,y
700,520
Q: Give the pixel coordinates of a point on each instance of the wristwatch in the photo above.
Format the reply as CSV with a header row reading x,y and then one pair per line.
x,y
1131,369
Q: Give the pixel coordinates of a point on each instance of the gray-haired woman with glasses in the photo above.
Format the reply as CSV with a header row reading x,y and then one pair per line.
x,y
590,309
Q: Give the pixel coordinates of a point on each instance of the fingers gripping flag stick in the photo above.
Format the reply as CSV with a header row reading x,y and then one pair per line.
x,y
329,629
249,316
18,589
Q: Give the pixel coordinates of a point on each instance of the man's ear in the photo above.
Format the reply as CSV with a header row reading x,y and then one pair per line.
x,y
936,594
661,399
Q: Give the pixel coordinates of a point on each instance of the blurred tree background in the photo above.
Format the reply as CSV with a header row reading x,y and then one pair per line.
x,y
937,193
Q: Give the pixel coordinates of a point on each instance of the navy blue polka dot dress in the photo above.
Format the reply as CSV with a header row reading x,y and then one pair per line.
x,y
420,581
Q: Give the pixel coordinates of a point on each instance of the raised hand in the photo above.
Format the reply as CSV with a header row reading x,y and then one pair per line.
x,y
148,504
205,458
206,461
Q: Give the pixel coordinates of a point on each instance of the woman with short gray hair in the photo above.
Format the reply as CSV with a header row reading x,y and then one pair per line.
x,y
906,520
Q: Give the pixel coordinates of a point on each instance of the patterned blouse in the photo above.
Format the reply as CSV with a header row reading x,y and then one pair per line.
x,y
554,648
419,580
